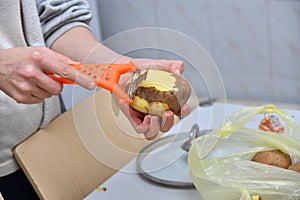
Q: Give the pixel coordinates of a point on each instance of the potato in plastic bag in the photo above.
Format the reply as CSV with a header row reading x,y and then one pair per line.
x,y
220,162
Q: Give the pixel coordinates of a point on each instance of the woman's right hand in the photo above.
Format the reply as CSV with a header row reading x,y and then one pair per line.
x,y
24,73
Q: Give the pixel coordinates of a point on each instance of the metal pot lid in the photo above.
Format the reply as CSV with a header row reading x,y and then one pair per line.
x,y
164,161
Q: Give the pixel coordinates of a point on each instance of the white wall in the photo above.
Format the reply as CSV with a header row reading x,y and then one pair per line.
x,y
255,43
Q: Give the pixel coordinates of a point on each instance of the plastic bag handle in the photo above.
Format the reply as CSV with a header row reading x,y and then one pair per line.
x,y
240,118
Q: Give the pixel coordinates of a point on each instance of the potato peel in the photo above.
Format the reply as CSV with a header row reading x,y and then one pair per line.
x,y
160,91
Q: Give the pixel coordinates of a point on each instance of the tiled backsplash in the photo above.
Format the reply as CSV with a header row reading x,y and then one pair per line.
x,y
254,43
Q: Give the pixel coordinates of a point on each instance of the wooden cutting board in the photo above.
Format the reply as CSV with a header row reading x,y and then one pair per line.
x,y
79,150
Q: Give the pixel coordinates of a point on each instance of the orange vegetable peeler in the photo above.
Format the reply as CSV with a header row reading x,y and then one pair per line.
x,y
105,76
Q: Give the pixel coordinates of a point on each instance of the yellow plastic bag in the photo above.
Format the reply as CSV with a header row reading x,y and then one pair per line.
x,y
220,162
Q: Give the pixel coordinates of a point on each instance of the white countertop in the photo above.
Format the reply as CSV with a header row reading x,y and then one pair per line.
x,y
127,184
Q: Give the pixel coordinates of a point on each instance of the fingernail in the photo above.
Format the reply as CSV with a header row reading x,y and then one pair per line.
x,y
75,62
163,122
177,72
92,85
147,117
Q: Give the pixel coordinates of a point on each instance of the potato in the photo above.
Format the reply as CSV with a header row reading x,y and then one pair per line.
x,y
273,157
256,197
160,91
295,167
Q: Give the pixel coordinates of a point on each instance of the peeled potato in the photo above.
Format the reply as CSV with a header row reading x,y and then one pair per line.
x,y
273,157
256,197
295,167
158,91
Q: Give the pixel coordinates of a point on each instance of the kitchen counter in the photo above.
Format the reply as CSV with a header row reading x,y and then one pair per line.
x,y
127,184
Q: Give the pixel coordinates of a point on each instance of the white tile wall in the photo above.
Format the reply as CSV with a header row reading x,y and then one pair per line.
x,y
189,17
256,88
284,22
285,90
117,16
255,43
285,39
239,35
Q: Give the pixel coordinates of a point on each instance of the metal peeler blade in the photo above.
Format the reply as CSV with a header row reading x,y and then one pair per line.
x,y
137,77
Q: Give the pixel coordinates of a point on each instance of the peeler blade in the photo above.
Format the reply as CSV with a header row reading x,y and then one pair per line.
x,y
138,76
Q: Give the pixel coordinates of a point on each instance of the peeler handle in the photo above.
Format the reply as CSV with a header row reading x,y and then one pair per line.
x,y
105,76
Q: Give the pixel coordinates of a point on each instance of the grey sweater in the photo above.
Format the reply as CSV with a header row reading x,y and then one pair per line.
x,y
32,23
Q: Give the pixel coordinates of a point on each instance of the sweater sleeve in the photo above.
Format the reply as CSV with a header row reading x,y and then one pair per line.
x,y
58,16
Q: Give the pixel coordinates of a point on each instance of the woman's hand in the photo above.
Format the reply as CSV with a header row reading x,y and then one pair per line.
x,y
24,73
150,125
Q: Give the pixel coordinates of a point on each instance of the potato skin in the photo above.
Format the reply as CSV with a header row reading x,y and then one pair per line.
x,y
172,99
156,95
273,157
295,167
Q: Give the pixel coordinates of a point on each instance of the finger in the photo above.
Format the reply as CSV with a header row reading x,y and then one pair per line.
x,y
177,67
21,97
72,74
173,66
40,93
56,55
154,128
34,99
167,121
35,80
136,118
49,64
143,126
25,91
185,110
49,85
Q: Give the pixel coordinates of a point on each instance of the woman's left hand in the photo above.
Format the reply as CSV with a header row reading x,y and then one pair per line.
x,y
146,124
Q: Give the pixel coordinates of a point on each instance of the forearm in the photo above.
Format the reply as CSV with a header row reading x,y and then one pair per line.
x,y
80,44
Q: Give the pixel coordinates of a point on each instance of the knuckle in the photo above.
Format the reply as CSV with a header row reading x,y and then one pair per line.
x,y
25,88
20,99
22,86
28,71
36,55
65,71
